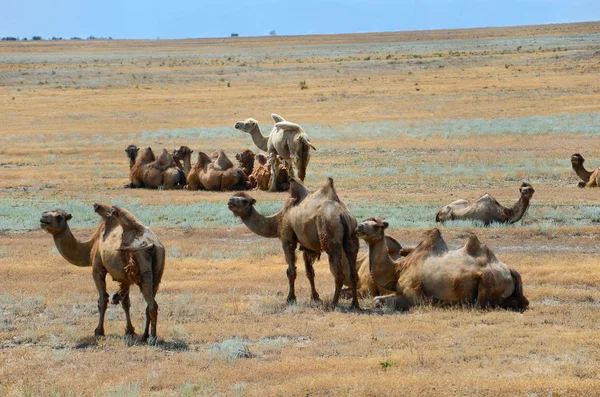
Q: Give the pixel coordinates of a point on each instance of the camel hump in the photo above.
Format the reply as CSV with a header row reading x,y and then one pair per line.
x,y
165,159
474,247
147,156
288,126
297,191
394,246
433,242
126,219
222,162
277,118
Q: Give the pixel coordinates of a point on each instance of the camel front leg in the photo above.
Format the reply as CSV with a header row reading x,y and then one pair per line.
x,y
289,249
309,260
99,274
147,288
275,165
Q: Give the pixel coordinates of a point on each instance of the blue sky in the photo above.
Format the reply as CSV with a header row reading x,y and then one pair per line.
x,y
141,19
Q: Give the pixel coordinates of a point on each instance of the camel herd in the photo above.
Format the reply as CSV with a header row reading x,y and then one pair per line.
x,y
312,222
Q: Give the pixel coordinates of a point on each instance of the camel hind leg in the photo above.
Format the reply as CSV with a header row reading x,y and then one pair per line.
x,y
309,260
126,305
350,245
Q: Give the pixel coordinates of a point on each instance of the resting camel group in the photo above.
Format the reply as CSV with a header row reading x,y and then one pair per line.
x,y
313,222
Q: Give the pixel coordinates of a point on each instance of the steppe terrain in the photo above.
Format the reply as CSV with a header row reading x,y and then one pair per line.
x,y
404,122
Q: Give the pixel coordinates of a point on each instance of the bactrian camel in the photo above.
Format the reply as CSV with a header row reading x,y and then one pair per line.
x,y
207,173
589,178
471,274
147,171
120,246
319,222
486,209
288,140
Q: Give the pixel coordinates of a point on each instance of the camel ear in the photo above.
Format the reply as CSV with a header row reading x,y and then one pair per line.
x,y
385,225
253,201
191,151
68,217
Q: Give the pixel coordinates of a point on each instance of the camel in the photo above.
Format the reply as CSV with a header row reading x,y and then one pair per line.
x,y
589,178
471,274
319,222
151,172
205,175
486,209
245,159
287,140
220,160
119,246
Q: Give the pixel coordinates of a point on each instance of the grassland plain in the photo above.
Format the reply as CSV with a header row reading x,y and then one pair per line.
x,y
404,123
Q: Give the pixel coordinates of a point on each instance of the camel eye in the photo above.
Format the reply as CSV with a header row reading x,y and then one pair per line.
x,y
60,217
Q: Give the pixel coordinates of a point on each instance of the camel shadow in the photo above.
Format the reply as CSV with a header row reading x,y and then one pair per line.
x,y
136,340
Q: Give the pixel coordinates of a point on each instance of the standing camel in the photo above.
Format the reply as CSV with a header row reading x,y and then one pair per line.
x,y
471,274
486,209
319,222
120,246
288,140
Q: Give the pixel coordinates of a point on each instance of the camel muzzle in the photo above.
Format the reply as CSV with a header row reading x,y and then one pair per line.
x,y
238,125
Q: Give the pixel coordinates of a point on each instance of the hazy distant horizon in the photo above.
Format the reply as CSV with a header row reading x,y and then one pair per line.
x,y
181,19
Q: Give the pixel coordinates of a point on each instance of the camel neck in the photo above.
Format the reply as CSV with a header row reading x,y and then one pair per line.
x,y
516,212
265,226
381,266
75,252
259,139
187,164
582,173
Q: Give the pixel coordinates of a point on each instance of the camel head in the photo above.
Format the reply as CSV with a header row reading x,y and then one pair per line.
x,y
246,126
132,152
179,154
371,230
241,204
526,190
104,210
577,160
261,158
54,222
245,156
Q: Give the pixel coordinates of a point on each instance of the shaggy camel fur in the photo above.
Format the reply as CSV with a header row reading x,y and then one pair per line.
x,y
288,140
471,274
246,161
486,209
204,175
366,286
320,222
589,178
148,171
184,154
261,175
120,246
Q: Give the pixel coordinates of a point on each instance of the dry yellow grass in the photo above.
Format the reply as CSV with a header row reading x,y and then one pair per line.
x,y
70,108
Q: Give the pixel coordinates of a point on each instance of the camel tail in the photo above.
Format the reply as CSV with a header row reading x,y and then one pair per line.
x,y
158,267
517,301
304,157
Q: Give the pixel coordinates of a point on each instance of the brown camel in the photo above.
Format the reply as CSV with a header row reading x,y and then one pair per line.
x,y
287,140
319,222
589,178
204,175
148,171
119,246
184,154
261,175
486,209
366,286
246,161
471,274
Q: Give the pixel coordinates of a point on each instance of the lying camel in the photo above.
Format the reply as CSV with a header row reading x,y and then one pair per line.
x,y
288,140
148,171
107,253
261,175
318,222
589,178
471,274
205,175
486,209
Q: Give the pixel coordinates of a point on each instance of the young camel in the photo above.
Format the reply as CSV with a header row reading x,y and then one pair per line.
x,y
288,140
319,222
486,209
107,253
589,178
471,274
148,171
